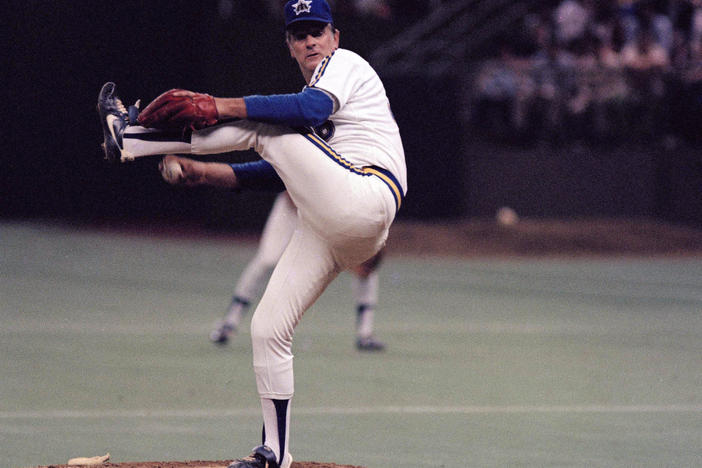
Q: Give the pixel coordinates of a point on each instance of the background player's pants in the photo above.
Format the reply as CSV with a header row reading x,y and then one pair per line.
x,y
344,219
276,234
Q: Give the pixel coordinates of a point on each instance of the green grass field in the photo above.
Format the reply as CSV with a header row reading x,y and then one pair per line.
x,y
490,363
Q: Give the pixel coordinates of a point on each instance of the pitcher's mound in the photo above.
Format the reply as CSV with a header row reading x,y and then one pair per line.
x,y
200,464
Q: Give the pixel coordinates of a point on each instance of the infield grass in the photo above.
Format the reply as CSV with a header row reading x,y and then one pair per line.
x,y
490,363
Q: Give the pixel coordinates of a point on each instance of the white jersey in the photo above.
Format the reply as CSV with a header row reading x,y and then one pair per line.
x,y
365,132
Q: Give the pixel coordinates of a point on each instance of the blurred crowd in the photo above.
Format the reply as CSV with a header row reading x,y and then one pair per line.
x,y
591,70
390,10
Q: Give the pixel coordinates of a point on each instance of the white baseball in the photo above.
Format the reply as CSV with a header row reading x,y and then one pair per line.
x,y
171,171
506,216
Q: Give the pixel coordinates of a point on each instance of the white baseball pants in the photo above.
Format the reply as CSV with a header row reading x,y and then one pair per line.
x,y
344,217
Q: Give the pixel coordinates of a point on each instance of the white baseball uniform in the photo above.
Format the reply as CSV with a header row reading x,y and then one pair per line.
x,y
347,191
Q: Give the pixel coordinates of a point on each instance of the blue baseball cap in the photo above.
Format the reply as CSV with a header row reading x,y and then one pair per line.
x,y
307,10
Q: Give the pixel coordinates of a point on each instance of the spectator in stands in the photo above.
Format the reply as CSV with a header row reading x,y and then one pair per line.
x,y
580,72
571,19
646,63
598,65
645,56
495,88
612,92
626,12
653,16
545,111
696,30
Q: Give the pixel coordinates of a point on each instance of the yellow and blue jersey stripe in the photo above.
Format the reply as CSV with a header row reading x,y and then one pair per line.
x,y
383,174
322,68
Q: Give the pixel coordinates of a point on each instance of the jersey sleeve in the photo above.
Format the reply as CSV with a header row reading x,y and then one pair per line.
x,y
338,75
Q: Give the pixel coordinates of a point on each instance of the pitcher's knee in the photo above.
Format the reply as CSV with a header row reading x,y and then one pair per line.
x,y
270,335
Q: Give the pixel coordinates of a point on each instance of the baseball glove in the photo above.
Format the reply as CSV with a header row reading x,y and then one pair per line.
x,y
180,109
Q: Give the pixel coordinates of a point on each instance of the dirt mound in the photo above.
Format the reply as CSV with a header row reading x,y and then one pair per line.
x,y
198,464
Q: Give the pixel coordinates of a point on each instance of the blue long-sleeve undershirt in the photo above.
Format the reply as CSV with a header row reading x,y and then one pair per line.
x,y
309,108
258,175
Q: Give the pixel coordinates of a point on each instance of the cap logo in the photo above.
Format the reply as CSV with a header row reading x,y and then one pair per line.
x,y
302,6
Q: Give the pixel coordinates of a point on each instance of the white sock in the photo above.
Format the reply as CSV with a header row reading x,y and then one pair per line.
x,y
276,426
140,141
365,292
364,320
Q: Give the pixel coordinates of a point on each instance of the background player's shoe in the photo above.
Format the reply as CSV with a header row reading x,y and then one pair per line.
x,y
262,457
221,334
369,344
114,118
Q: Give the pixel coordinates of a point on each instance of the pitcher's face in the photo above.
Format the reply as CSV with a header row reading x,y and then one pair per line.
x,y
309,42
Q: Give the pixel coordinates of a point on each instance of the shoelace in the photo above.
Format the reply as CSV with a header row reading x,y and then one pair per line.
x,y
120,106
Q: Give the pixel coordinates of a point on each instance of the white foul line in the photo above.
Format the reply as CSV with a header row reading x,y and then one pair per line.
x,y
314,411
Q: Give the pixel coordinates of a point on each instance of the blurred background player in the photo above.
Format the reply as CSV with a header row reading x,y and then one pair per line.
x,y
277,232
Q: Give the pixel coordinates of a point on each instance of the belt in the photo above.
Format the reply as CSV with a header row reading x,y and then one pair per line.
x,y
390,180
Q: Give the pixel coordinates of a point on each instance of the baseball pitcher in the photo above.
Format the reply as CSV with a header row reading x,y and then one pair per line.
x,y
347,180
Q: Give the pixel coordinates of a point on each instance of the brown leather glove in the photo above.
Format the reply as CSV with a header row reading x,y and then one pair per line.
x,y
180,109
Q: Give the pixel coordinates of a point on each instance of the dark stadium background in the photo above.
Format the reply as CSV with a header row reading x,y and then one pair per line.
x,y
59,53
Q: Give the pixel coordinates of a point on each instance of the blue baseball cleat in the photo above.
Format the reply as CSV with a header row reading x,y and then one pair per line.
x,y
369,344
262,457
114,118
220,335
